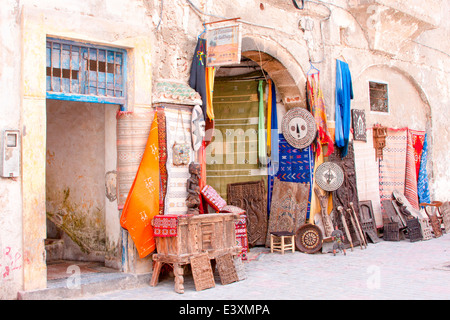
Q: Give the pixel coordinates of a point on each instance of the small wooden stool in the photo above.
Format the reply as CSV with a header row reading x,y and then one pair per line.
x,y
278,243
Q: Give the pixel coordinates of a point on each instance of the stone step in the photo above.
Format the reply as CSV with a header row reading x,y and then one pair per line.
x,y
86,285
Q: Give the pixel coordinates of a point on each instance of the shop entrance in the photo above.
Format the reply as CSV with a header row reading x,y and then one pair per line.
x,y
78,151
232,157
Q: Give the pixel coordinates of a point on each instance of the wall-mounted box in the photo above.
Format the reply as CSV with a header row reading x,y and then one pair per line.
x,y
10,166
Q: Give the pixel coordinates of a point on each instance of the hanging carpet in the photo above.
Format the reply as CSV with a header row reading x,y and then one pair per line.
x,y
176,194
413,151
368,180
233,155
295,166
288,208
133,129
392,167
422,184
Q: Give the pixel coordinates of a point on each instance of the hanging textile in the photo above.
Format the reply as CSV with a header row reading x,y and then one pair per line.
x,y
210,73
295,166
269,117
274,144
197,78
344,93
392,167
262,152
422,184
417,140
142,202
161,116
317,105
209,120
133,129
175,201
274,163
368,182
411,172
233,156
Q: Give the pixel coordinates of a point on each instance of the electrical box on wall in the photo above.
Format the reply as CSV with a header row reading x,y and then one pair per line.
x,y
10,166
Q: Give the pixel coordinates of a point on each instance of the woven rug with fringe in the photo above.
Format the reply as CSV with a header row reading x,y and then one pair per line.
x,y
176,193
392,167
133,129
367,181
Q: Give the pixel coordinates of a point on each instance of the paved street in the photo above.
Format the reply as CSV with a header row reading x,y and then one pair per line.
x,y
386,270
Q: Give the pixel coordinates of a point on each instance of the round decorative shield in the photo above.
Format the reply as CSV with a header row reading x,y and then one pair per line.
x,y
329,176
299,127
308,238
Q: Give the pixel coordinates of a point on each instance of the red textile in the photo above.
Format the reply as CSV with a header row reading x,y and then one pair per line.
x,y
165,225
241,236
213,198
417,140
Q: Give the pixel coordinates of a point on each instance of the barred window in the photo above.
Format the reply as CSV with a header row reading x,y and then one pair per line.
x,y
77,71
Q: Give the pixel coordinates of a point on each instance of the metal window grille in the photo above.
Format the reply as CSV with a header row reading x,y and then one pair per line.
x,y
378,96
83,72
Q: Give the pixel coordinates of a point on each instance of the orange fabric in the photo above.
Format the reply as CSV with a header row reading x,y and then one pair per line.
x,y
142,203
209,75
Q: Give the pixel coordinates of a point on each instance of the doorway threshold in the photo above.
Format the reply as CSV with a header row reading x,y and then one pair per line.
x,y
75,279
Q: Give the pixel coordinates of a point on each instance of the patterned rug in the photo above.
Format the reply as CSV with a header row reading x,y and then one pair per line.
x,y
393,165
368,180
295,166
288,208
413,152
176,194
133,129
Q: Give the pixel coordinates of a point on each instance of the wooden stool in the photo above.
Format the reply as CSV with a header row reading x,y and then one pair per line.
x,y
278,243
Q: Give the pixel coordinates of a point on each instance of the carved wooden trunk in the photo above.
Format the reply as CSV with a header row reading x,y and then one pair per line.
x,y
212,233
199,238
251,196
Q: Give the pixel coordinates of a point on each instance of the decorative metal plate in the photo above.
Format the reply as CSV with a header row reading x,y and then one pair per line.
x,y
329,176
308,238
299,127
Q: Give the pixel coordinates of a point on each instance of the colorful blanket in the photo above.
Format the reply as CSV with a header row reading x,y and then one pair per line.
x,y
393,165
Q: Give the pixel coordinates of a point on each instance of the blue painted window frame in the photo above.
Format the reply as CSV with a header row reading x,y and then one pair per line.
x,y
76,81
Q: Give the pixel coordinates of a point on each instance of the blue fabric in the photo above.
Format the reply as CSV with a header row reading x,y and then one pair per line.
x,y
274,142
295,166
274,163
344,95
422,183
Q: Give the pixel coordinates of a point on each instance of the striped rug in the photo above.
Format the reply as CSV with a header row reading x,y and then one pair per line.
x,y
176,194
392,167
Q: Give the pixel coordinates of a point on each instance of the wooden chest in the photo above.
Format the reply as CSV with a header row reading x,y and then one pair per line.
x,y
213,233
